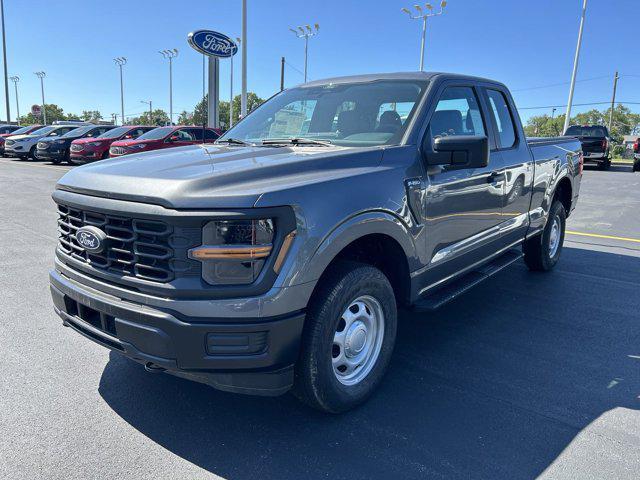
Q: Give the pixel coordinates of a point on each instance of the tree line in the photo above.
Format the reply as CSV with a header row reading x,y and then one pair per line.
x,y
625,122
158,117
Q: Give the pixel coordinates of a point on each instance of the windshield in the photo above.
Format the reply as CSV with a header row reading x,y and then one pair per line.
x,y
22,130
586,131
156,133
353,114
114,133
42,131
78,132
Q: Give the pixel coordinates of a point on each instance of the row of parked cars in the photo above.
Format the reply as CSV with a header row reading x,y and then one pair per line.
x,y
81,142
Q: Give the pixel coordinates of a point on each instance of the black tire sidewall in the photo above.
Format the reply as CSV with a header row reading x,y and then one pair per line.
x,y
557,210
354,282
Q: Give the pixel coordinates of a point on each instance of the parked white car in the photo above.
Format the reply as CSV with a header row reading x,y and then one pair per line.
x,y
24,146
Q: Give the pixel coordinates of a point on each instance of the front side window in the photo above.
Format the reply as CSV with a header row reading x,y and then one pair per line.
x,y
182,136
457,113
350,114
502,117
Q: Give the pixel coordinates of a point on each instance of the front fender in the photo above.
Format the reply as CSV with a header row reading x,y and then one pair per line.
x,y
355,227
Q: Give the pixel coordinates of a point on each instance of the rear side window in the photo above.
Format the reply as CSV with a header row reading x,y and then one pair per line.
x,y
503,119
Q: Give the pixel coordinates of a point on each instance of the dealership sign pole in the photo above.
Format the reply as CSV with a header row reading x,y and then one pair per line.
x,y
215,45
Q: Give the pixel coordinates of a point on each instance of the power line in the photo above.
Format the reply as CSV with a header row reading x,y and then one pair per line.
x,y
558,84
577,105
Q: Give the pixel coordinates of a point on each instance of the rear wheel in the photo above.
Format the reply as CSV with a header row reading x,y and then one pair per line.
x,y
541,253
606,164
348,338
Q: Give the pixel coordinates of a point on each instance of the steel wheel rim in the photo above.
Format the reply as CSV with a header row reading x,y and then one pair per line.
x,y
357,341
554,237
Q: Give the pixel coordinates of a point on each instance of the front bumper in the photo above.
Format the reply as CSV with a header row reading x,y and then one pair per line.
x,y
51,154
86,156
243,355
16,151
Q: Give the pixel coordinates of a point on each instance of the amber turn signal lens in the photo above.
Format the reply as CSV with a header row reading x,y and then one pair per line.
x,y
241,253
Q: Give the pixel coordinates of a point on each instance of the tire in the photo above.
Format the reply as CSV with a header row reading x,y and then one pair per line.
x,y
636,166
32,154
539,255
605,165
362,294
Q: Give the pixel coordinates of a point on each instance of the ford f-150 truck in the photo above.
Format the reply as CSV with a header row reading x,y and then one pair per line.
x,y
595,142
277,258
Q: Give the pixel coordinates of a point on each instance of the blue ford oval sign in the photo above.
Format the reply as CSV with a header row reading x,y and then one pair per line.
x,y
92,239
214,44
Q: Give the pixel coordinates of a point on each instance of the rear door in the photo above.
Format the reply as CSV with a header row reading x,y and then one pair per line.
x,y
517,160
463,205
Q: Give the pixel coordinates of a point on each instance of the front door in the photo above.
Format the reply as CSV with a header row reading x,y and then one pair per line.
x,y
464,206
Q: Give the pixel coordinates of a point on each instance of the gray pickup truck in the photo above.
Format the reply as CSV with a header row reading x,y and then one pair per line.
x,y
277,258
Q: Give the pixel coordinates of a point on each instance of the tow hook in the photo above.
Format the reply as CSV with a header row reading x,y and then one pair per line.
x,y
153,368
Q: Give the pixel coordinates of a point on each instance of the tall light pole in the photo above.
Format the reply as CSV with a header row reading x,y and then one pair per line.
x,y
150,103
15,79
423,15
170,55
41,76
4,56
576,60
613,100
306,32
243,93
231,89
121,62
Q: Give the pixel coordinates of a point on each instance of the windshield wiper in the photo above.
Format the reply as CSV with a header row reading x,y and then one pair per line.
x,y
235,141
296,141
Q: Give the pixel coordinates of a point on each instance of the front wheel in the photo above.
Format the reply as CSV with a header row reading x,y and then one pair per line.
x,y
348,338
541,252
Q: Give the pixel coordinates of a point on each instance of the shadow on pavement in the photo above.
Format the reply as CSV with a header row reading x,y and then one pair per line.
x,y
494,385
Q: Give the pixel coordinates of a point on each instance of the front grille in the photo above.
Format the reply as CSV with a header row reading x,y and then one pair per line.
x,y
134,247
76,148
43,145
118,151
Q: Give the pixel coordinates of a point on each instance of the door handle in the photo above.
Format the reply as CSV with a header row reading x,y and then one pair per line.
x,y
495,177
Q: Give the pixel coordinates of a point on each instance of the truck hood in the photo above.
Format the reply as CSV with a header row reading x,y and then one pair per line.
x,y
213,176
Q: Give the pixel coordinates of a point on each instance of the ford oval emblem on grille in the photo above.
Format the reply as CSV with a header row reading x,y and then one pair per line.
x,y
92,239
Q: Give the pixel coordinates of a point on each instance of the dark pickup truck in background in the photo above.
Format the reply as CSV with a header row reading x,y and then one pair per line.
x,y
595,142
277,257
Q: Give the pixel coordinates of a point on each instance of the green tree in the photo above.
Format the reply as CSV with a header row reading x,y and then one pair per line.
x,y
158,117
201,114
91,115
54,112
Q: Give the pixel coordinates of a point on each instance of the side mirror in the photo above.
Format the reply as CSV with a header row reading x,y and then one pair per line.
x,y
127,137
174,138
460,150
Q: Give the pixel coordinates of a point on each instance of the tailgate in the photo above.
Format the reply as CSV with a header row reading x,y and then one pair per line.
x,y
592,144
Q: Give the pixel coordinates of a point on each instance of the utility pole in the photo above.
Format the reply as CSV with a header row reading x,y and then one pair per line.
x,y
4,55
41,76
231,89
243,95
150,103
282,74
170,55
306,34
121,62
422,15
613,100
576,60
15,79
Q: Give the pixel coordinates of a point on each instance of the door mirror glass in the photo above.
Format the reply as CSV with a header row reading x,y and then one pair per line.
x,y
174,138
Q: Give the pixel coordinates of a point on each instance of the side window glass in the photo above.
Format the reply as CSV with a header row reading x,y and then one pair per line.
x,y
196,133
503,119
457,113
211,135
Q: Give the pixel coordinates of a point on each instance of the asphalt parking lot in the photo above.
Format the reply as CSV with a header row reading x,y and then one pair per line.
x,y
527,375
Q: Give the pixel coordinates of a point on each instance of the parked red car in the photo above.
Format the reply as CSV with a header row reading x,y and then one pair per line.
x,y
164,137
90,149
20,131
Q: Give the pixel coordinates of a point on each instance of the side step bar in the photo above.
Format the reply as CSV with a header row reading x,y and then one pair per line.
x,y
440,296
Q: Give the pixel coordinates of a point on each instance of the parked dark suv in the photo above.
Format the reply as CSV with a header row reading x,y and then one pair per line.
x,y
595,142
58,149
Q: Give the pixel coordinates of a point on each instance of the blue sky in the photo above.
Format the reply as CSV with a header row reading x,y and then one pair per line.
x,y
524,44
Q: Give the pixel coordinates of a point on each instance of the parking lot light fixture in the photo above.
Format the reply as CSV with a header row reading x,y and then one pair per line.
x,y
15,79
170,55
121,62
41,76
306,34
422,15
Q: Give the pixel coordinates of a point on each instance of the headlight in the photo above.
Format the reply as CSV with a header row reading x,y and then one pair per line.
x,y
233,252
139,145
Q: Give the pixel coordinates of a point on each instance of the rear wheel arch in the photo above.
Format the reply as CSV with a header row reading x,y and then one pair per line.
x,y
564,194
